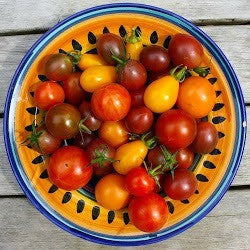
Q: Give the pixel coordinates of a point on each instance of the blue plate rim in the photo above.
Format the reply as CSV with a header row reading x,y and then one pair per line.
x,y
241,112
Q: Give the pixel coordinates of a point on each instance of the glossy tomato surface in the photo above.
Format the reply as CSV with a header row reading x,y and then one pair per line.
x,y
137,97
185,157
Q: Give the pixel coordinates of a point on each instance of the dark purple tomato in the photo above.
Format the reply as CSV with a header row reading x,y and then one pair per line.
x,y
137,97
82,140
185,158
156,157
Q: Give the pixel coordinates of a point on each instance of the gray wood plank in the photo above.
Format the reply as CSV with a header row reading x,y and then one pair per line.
x,y
9,186
31,15
233,40
226,227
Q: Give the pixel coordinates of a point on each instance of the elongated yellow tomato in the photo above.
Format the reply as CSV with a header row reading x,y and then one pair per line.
x,y
134,46
129,156
161,95
89,60
97,76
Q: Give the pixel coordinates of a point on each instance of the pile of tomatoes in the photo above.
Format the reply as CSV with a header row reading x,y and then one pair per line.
x,y
130,115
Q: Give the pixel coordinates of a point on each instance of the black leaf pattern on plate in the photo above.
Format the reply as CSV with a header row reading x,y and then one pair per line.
x,y
212,80
216,151
38,159
91,38
80,206
220,134
218,93
125,218
29,128
209,165
67,197
53,189
32,93
62,51
95,212
218,119
154,37
196,192
185,201
170,207
138,31
44,174
33,110
166,42
201,178
105,30
111,216
218,106
92,51
122,31
43,78
76,45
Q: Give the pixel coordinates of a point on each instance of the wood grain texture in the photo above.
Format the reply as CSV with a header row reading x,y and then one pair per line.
x,y
226,227
22,15
233,40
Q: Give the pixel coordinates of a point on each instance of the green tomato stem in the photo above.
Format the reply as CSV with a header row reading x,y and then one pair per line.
x,y
133,38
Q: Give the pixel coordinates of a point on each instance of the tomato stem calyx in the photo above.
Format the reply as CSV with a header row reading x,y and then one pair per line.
x,y
151,142
75,56
133,38
100,158
202,71
179,75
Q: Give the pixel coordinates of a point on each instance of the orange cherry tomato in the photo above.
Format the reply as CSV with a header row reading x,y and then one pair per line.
x,y
114,133
111,192
196,96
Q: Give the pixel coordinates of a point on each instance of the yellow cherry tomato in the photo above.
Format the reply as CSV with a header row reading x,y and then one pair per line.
x,y
161,95
196,96
89,60
111,192
134,46
129,156
114,133
97,76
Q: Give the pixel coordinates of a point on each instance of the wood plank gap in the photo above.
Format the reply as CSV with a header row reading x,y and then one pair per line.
x,y
241,187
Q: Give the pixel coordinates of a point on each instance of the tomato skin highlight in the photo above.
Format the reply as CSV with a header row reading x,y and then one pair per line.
x,y
175,129
185,50
48,94
182,186
111,192
148,213
139,182
196,96
206,138
111,102
74,94
69,168
161,95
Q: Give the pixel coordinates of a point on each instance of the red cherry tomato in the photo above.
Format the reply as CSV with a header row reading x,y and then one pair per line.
x,y
111,102
139,120
148,213
175,129
137,97
69,168
48,94
206,138
132,75
185,158
182,186
74,94
139,182
155,58
185,50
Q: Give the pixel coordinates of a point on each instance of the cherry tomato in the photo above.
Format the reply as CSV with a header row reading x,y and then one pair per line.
x,y
175,129
111,192
111,102
196,96
139,120
90,121
182,186
110,44
132,75
101,155
153,76
206,138
48,94
90,60
154,58
139,182
156,157
97,76
161,95
74,94
134,45
69,168
185,50
114,133
58,67
185,157
82,140
148,213
62,121
137,97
